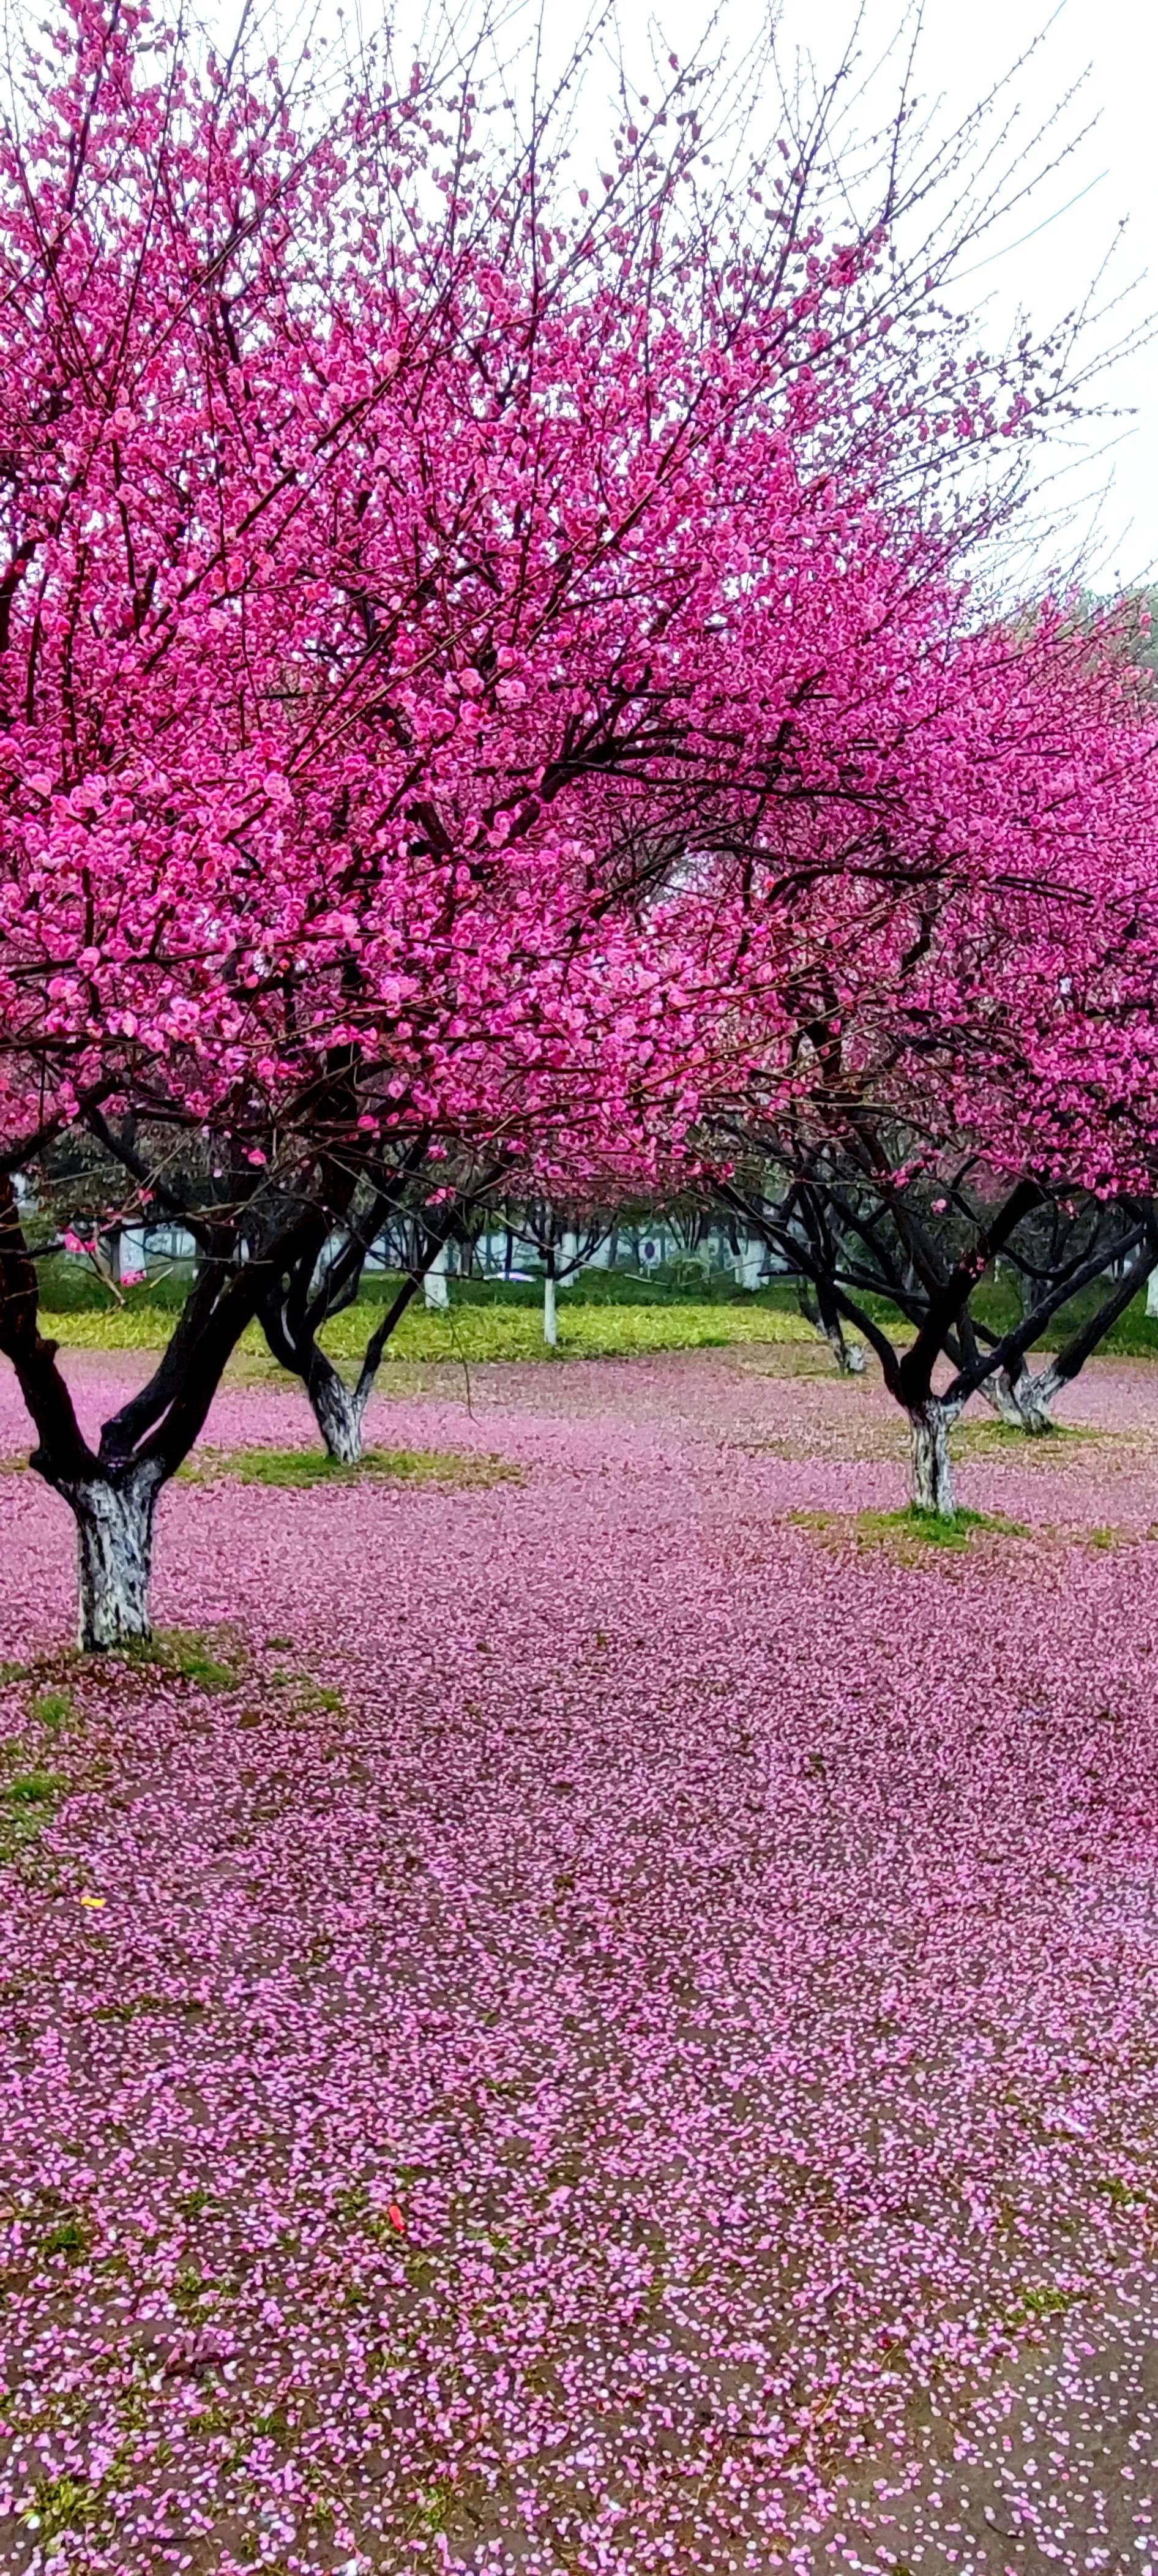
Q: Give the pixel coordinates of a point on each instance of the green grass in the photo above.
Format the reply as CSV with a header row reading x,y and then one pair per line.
x,y
73,1288
310,1699
28,1801
910,1530
933,1529
986,1432
34,1789
30,1792
1047,2302
1124,2195
69,2235
55,1710
214,1659
294,1470
995,1303
477,1332
603,1314
61,2504
189,2288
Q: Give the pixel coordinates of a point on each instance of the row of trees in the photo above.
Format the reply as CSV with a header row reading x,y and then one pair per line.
x,y
904,1261
498,698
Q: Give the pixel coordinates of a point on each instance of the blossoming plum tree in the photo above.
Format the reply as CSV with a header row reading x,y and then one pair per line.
x,y
417,573
990,1040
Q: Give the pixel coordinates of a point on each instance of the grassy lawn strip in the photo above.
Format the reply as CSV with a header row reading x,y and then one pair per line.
x,y
474,1332
293,1470
910,1531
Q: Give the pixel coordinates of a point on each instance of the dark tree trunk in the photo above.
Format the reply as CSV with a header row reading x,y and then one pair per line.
x,y
112,1491
932,1468
338,1409
114,1526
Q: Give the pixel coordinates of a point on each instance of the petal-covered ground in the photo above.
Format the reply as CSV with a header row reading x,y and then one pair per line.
x,y
625,2024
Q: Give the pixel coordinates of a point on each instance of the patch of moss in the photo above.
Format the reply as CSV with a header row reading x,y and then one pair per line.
x,y
1122,2194
55,1710
34,1789
934,1529
1046,2302
70,2234
296,1470
314,1699
910,1530
214,1659
190,2292
28,1800
60,2505
1009,1435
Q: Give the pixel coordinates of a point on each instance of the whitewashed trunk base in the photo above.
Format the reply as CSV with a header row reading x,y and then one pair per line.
x,y
932,1467
1000,1394
550,1315
338,1411
1025,1403
114,1525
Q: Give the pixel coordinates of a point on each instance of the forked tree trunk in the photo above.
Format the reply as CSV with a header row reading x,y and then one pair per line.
x,y
1025,1402
1000,1393
112,1491
932,1468
339,1410
114,1523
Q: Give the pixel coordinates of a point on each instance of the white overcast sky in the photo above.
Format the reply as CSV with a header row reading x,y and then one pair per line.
x,y
1109,47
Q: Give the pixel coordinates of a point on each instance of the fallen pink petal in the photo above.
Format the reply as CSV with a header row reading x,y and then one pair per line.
x,y
771,2118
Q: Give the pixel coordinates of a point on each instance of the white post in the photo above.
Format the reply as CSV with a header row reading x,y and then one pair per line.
x,y
434,1287
1152,1293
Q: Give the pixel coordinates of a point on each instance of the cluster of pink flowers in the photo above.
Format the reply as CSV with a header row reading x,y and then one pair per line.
x,y
512,678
